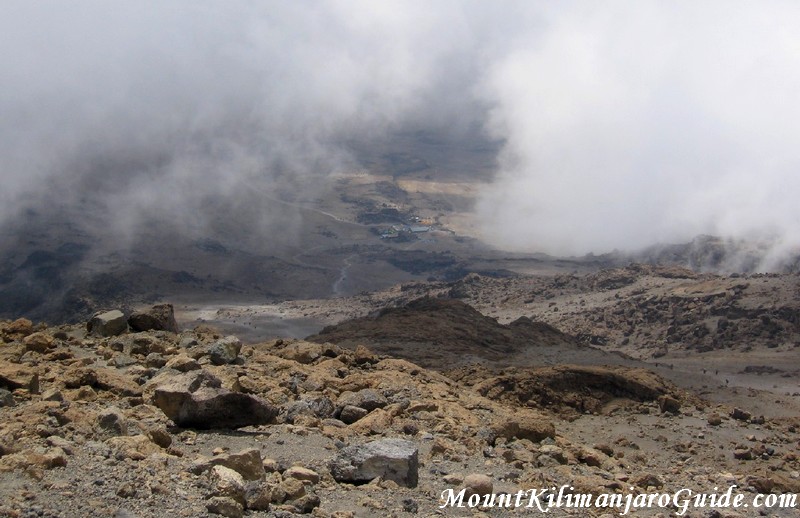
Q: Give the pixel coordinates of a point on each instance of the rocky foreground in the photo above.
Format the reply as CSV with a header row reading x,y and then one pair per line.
x,y
130,417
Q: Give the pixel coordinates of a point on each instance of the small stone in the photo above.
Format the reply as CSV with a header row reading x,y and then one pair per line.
x,y
79,377
648,480
160,436
367,399
21,326
306,503
38,342
478,484
390,459
196,399
228,483
453,480
86,394
6,398
532,427
225,350
668,404
16,376
740,415
410,505
301,473
364,355
293,488
155,360
714,419
258,496
350,414
743,454
182,363
134,447
554,452
59,442
110,323
52,395
246,462
112,422
225,506
126,490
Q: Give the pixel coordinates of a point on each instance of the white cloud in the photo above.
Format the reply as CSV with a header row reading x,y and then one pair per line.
x,y
624,123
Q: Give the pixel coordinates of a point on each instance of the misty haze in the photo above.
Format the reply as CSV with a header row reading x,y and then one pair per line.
x,y
134,135
582,211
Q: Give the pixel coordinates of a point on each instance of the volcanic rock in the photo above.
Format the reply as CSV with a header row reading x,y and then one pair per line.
x,y
16,376
160,317
350,414
228,483
112,422
247,463
110,323
6,398
478,484
390,459
196,399
225,350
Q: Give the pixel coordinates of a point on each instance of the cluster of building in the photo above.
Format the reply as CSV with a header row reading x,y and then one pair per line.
x,y
417,226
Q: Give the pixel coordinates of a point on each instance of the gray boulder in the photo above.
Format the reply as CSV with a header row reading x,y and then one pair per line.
x,y
110,323
390,459
225,350
196,399
160,317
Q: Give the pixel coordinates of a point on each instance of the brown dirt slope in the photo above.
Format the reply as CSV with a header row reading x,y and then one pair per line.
x,y
431,330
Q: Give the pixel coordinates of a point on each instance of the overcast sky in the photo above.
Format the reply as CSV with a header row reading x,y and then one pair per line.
x,y
623,123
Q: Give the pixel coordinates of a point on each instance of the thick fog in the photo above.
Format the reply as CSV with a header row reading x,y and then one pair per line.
x,y
622,124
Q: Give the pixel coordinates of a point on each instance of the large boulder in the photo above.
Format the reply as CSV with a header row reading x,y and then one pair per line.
x,y
160,317
390,459
110,323
196,399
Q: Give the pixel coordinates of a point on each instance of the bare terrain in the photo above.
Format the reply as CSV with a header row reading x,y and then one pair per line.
x,y
144,423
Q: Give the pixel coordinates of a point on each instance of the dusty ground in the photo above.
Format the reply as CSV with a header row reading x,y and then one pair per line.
x,y
59,459
667,317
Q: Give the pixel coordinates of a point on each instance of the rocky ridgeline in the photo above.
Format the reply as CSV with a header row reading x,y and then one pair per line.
x,y
128,416
647,311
